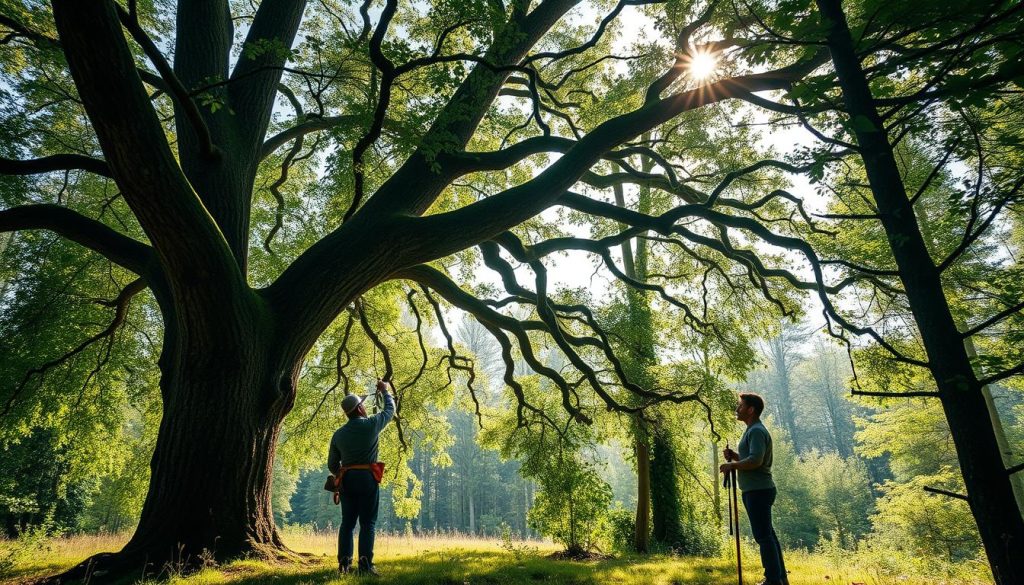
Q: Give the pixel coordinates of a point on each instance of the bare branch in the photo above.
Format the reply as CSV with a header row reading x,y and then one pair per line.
x,y
970,234
593,39
455,361
933,490
121,311
275,190
993,320
341,378
308,125
389,370
387,69
1008,373
935,171
911,394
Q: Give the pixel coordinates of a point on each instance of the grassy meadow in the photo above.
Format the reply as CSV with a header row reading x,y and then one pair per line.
x,y
459,560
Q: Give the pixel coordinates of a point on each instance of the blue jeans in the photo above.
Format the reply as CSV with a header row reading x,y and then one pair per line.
x,y
359,501
758,504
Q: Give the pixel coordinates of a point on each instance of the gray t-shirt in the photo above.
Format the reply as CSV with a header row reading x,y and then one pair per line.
x,y
756,446
355,443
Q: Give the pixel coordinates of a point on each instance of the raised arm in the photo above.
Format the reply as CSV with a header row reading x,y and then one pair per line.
x,y
381,419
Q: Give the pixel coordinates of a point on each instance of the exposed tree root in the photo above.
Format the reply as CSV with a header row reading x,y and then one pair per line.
x,y
578,554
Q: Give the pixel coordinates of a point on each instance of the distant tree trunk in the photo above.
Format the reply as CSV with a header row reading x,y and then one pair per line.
x,y
636,364
472,515
989,490
668,527
839,441
715,479
422,518
527,500
1016,480
658,493
780,353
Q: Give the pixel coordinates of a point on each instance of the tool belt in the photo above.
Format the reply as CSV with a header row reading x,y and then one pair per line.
x,y
333,483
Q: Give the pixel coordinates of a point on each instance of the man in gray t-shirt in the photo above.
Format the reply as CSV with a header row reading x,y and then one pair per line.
x,y
753,465
352,454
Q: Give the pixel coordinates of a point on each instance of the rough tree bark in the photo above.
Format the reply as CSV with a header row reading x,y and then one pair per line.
x,y
989,491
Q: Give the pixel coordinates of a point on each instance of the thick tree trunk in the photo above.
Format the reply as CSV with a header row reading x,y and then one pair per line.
x,y
211,471
225,392
642,533
988,485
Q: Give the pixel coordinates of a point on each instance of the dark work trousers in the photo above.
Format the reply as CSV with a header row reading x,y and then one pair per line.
x,y
359,501
758,504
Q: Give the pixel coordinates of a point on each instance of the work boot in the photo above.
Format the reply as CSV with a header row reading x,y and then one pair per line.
x,y
344,569
366,568
369,571
770,582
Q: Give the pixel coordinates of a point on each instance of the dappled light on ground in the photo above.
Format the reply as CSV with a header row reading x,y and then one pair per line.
x,y
460,560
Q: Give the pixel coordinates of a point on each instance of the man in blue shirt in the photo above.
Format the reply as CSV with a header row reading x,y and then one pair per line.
x,y
352,455
753,465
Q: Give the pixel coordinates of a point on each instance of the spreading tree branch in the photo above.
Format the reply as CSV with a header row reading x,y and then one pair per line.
x,y
92,234
56,162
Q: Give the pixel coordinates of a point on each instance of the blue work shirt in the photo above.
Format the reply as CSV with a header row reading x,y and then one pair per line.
x,y
355,443
756,446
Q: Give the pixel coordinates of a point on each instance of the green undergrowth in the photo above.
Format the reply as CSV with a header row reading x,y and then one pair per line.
x,y
445,560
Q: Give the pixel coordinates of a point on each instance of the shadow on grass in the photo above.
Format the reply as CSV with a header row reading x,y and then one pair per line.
x,y
492,568
450,567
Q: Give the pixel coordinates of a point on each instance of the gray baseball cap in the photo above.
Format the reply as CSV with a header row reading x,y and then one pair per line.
x,y
351,402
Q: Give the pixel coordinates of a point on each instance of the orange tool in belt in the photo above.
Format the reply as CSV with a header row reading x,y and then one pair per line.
x,y
333,483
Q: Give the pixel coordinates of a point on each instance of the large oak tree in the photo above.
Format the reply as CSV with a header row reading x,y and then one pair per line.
x,y
232,352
